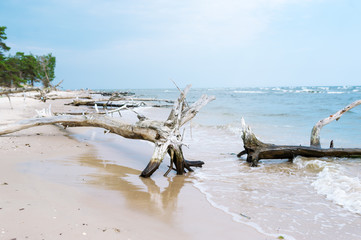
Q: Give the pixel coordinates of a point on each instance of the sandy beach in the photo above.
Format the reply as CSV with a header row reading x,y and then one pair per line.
x,y
63,184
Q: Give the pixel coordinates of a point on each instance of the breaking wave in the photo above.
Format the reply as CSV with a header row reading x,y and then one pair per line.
x,y
335,182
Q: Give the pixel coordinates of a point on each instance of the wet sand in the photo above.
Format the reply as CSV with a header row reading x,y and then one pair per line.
x,y
82,184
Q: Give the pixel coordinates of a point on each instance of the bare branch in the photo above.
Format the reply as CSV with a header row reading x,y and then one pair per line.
x,y
315,134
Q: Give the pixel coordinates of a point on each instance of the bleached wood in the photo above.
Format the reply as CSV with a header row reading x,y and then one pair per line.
x,y
164,134
315,133
191,112
126,100
136,131
17,90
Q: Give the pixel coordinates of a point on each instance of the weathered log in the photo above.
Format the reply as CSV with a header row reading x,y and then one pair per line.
x,y
138,99
41,96
43,92
257,150
107,93
56,97
84,102
115,102
165,135
90,102
6,91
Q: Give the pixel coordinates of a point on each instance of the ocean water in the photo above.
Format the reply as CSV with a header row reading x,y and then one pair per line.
x,y
311,198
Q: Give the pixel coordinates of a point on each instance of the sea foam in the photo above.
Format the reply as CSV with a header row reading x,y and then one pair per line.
x,y
333,181
344,190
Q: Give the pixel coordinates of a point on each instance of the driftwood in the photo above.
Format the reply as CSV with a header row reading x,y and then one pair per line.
x,y
148,100
41,96
257,150
115,102
8,91
112,94
315,134
164,134
103,104
17,90
45,94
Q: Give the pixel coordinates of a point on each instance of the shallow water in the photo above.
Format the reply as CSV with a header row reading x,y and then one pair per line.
x,y
306,199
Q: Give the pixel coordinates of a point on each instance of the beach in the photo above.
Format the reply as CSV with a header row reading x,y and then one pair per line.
x,y
180,120
63,184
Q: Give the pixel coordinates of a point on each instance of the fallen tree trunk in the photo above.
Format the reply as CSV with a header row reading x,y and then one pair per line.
x,y
104,104
109,102
257,150
85,102
148,100
8,91
111,94
165,135
18,90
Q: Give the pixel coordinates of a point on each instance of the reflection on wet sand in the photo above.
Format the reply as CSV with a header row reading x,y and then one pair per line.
x,y
142,194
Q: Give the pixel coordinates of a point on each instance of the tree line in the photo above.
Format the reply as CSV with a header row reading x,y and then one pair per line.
x,y
24,69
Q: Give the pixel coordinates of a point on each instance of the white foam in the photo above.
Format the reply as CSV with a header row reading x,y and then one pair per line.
x,y
335,92
334,183
317,165
248,91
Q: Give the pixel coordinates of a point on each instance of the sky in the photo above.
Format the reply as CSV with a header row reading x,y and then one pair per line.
x,y
104,44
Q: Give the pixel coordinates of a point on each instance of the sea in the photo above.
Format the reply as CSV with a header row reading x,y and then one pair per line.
x,y
309,198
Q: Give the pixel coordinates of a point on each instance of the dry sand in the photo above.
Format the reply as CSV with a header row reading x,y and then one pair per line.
x,y
66,184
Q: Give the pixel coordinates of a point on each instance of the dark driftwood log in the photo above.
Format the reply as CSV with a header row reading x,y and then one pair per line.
x,y
109,102
257,150
164,134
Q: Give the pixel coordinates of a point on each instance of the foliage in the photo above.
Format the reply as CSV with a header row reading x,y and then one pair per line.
x,y
24,68
46,69
12,74
3,47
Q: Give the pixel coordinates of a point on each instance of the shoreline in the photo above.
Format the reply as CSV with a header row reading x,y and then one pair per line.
x,y
47,197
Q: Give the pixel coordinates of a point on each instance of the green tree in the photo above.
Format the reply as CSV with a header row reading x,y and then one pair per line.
x,y
13,74
21,68
4,68
3,46
28,67
46,69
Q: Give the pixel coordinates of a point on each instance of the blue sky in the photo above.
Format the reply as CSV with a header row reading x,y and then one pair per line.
x,y
213,43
